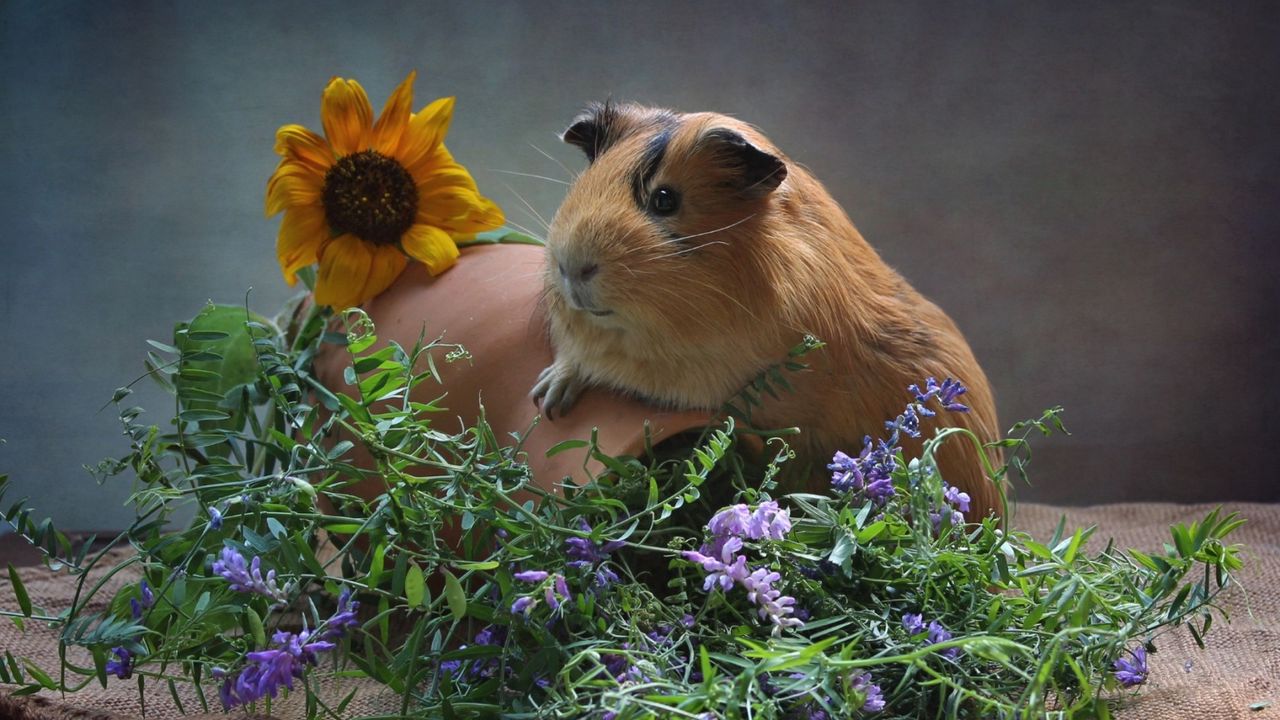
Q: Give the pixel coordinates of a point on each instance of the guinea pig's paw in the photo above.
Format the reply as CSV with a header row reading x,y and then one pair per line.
x,y
557,389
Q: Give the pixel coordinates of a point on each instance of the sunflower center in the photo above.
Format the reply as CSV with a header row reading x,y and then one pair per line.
x,y
370,196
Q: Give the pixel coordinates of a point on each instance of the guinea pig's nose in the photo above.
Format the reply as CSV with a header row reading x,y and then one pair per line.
x,y
579,274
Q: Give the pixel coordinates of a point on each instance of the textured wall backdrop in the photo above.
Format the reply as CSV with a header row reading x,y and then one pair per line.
x,y
1091,192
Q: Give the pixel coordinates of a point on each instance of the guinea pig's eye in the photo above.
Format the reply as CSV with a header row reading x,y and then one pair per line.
x,y
664,201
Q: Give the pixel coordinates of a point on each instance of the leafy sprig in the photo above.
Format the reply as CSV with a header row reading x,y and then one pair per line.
x,y
480,591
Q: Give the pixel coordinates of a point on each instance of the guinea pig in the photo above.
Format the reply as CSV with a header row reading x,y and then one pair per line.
x,y
691,255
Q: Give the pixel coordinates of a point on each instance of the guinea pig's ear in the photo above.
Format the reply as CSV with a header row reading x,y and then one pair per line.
x,y
754,173
590,130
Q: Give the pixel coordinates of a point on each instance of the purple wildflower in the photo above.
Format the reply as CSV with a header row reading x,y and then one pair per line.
x,y
731,569
946,393
215,518
939,634
870,473
769,521
1132,673
725,570
531,576
913,622
136,605
344,617
605,576
731,521
583,553
522,606
873,698
247,576
491,635
557,593
908,422
122,665
957,498
268,669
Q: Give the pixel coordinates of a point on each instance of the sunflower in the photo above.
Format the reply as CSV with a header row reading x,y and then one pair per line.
x,y
361,198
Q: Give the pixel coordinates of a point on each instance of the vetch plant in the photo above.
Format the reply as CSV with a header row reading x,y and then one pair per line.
x,y
710,592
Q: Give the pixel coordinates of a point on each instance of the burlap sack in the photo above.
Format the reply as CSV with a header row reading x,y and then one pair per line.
x,y
1238,671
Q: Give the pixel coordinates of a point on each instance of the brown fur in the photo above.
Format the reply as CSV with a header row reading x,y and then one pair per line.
x,y
693,321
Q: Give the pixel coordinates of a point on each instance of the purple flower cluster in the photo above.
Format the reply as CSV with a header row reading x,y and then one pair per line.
x,y
873,697
583,553
246,576
268,669
122,664
343,618
957,506
726,567
290,655
555,592
913,623
1131,673
870,474
146,600
481,668
946,393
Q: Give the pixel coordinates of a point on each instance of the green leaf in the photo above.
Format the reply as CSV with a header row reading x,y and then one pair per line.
x,y
485,565
415,587
217,354
566,445
40,676
454,595
256,630
20,591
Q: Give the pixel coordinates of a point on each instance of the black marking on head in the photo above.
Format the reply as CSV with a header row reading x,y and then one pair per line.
x,y
654,150
757,173
602,125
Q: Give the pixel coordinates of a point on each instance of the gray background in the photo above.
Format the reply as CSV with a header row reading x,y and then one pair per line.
x,y
1091,191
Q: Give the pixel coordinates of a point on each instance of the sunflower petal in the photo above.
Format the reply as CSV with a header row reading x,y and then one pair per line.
x,y
346,115
388,263
302,232
426,131
394,118
353,271
292,184
299,144
449,199
431,246
344,270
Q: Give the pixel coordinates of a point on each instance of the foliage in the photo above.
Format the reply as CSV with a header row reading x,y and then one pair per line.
x,y
482,593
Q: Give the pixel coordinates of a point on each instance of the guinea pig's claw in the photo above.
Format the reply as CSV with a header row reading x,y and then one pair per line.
x,y
557,389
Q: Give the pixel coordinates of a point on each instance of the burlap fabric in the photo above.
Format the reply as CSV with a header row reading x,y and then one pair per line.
x,y
1237,672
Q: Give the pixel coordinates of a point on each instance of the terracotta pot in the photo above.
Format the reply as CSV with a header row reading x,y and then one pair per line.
x,y
489,303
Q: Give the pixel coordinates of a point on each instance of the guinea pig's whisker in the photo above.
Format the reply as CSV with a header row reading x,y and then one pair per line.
x,y
540,219
548,156
694,249
525,230
763,179
719,229
529,175
726,295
